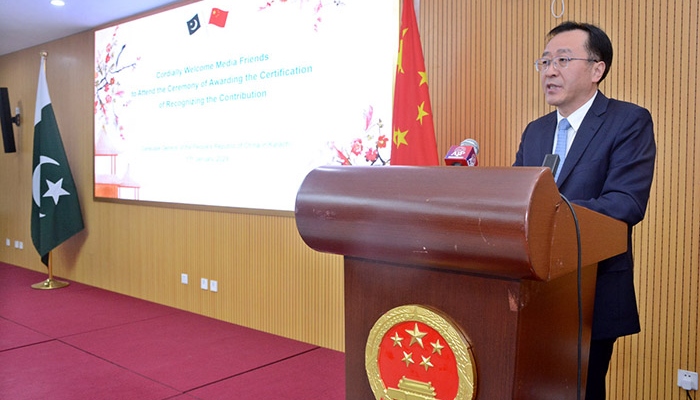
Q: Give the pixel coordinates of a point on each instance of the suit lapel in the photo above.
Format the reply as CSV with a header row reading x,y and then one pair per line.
x,y
588,129
549,129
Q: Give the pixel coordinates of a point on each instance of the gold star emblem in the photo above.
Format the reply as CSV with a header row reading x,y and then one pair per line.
x,y
423,77
416,336
397,339
421,113
407,358
399,61
400,137
437,347
426,362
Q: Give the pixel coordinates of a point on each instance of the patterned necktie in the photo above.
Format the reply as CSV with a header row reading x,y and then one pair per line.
x,y
560,150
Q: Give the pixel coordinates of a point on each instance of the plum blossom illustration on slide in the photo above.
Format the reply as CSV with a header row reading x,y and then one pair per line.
x,y
109,97
315,6
369,149
111,138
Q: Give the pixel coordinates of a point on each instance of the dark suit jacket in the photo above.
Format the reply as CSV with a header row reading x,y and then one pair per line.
x,y
608,169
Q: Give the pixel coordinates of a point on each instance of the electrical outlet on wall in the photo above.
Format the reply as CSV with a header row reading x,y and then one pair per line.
x,y
687,380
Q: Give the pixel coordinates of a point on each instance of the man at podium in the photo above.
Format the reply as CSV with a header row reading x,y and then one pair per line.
x,y
607,151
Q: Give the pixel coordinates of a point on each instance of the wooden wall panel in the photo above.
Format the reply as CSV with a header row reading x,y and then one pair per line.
x,y
479,56
268,278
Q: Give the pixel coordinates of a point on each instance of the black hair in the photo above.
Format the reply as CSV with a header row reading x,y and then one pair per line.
x,y
598,45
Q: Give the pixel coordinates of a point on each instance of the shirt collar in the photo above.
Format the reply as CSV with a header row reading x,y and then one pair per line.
x,y
576,117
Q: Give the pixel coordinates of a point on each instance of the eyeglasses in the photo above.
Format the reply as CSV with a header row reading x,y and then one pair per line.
x,y
543,64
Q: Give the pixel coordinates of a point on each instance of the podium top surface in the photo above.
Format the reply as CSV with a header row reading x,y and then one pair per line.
x,y
501,221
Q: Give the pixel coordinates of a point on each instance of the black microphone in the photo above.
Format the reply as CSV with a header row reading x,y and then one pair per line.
x,y
552,162
464,154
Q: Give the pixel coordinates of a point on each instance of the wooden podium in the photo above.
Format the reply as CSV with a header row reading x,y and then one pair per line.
x,y
495,249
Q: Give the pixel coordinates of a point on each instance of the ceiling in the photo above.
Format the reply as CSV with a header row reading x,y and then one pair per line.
x,y
27,23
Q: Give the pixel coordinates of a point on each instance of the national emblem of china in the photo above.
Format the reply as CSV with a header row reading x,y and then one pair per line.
x,y
415,353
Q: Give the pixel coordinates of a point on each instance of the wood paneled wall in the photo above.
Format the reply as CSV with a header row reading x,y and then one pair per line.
x,y
479,56
268,279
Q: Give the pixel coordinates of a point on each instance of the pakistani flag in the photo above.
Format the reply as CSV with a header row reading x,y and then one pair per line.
x,y
55,207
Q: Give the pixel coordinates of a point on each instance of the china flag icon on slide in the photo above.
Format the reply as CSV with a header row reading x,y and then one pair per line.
x,y
218,17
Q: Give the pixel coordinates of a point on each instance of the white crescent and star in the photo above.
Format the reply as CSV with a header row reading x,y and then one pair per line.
x,y
55,190
194,23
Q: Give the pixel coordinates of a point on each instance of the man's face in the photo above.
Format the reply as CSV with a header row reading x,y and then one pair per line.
x,y
569,88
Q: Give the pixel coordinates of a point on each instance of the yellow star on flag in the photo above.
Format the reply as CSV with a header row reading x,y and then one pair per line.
x,y
421,113
399,61
423,78
400,137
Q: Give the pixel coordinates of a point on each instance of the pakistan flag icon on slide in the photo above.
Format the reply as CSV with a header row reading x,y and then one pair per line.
x,y
56,212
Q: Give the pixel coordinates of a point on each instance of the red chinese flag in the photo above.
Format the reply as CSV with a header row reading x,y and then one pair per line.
x,y
413,131
218,17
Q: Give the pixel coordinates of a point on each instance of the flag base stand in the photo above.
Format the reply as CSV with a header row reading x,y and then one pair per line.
x,y
50,284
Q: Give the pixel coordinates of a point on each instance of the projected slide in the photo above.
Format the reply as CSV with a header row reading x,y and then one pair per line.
x,y
231,104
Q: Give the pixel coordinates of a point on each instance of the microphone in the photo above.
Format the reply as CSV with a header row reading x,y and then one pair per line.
x,y
464,154
552,162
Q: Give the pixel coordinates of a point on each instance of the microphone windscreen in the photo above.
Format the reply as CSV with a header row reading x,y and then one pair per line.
x,y
471,142
461,155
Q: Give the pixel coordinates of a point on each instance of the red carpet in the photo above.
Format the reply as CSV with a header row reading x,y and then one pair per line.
x,y
13,335
82,342
53,370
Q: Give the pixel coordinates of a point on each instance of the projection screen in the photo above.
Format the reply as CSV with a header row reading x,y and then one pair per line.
x,y
231,104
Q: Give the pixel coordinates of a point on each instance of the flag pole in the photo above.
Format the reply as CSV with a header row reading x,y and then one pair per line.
x,y
50,283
